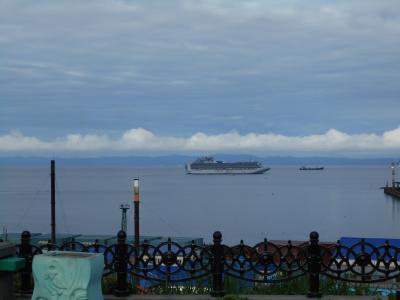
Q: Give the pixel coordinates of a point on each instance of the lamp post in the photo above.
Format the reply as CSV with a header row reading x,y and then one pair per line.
x,y
393,175
136,210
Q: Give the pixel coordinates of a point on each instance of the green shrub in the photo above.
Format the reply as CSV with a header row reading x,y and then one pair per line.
x,y
234,297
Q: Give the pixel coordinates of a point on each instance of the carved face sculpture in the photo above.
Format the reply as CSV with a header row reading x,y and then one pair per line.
x,y
55,283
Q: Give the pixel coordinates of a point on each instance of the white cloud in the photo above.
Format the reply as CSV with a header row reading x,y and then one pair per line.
x,y
139,140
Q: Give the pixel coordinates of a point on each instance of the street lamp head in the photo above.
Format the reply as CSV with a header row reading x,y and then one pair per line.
x,y
136,190
136,186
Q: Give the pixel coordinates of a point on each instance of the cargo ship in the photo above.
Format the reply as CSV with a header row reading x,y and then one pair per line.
x,y
207,165
304,168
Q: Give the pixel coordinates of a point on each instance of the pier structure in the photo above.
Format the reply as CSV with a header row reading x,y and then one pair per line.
x,y
42,239
393,190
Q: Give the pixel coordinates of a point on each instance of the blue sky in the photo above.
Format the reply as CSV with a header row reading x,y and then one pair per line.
x,y
135,77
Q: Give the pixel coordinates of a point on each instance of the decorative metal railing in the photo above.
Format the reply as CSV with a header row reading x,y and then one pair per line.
x,y
265,262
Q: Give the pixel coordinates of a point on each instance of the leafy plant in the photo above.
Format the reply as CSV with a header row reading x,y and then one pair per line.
x,y
234,297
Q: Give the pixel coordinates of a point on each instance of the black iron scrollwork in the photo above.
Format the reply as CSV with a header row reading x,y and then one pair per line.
x,y
170,262
266,262
362,262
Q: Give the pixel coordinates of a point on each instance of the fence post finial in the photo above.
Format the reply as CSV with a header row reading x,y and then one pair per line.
x,y
121,266
26,252
217,266
314,265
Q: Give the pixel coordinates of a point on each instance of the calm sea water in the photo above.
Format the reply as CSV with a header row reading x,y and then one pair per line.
x,y
283,204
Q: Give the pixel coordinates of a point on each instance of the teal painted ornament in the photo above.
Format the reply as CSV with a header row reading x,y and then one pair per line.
x,y
65,275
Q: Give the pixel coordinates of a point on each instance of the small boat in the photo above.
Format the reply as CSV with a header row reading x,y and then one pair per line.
x,y
304,168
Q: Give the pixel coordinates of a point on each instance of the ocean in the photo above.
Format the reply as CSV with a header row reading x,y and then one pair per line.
x,y
282,204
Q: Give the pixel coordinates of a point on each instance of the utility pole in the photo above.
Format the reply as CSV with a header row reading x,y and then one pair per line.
x,y
136,211
53,202
124,221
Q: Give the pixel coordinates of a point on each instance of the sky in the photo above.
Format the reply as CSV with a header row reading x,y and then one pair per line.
x,y
113,77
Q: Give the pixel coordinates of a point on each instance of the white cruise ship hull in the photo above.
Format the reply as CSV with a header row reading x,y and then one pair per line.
x,y
227,171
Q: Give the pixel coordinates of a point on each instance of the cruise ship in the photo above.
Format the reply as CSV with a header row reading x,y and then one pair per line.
x,y
207,165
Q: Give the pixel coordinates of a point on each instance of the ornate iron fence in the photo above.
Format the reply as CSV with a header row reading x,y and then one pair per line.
x,y
265,262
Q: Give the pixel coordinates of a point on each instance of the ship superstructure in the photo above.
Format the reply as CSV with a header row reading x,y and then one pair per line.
x,y
207,165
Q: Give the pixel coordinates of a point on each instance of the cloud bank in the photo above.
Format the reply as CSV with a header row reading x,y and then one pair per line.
x,y
293,67
142,141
